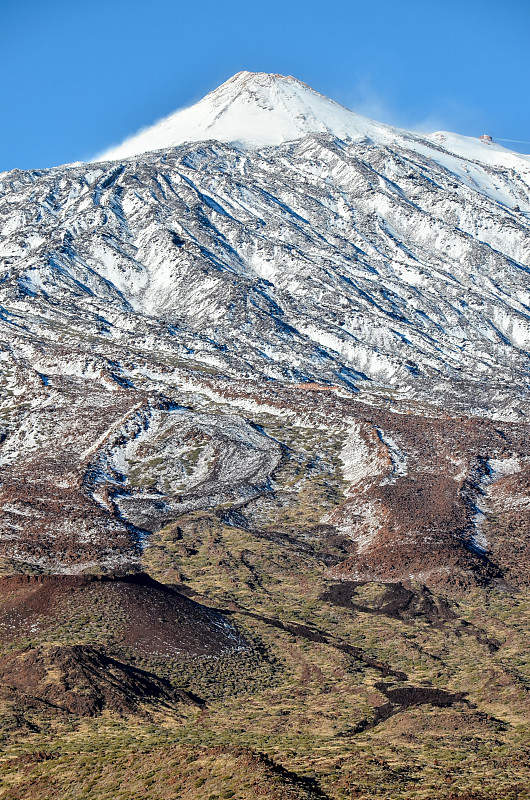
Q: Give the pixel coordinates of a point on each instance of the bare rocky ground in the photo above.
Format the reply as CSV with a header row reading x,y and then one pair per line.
x,y
397,494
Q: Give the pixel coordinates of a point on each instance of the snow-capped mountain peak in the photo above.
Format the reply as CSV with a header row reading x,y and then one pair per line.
x,y
349,261
258,109
356,253
252,109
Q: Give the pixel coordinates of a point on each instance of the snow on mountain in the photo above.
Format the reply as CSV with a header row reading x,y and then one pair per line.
x,y
286,237
253,110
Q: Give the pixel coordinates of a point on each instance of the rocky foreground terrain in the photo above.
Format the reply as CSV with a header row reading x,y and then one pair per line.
x,y
265,458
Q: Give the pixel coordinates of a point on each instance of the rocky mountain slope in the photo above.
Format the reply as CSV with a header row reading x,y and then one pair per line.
x,y
375,259
276,356
353,258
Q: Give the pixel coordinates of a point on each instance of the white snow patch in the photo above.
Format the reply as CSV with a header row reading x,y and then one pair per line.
x,y
397,456
360,460
499,468
253,110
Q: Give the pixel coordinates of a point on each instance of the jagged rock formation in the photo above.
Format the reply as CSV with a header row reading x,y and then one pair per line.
x,y
376,258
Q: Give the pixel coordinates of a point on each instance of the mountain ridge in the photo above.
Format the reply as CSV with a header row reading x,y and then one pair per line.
x,y
259,109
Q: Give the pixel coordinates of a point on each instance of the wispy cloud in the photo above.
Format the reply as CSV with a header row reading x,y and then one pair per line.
x,y
446,115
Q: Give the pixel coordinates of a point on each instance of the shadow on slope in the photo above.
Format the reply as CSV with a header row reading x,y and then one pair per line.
x,y
82,680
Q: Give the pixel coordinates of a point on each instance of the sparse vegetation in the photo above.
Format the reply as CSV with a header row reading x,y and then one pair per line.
x,y
374,691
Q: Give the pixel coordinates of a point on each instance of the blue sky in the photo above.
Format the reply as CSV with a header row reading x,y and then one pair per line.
x,y
77,77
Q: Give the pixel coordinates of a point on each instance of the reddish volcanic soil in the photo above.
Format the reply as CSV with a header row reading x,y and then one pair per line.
x,y
417,523
143,616
423,520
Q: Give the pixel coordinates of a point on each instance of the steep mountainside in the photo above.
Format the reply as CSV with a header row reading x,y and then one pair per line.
x,y
380,260
276,356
